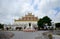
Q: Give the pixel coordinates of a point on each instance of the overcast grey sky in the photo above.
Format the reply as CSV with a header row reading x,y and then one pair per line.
x,y
13,9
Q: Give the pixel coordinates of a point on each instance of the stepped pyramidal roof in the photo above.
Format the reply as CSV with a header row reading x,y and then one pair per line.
x,y
28,17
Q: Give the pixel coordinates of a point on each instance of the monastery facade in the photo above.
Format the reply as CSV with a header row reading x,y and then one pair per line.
x,y
23,22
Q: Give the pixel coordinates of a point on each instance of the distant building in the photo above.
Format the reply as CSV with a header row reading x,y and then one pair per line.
x,y
23,22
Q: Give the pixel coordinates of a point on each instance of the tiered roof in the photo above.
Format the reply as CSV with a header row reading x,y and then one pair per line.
x,y
28,17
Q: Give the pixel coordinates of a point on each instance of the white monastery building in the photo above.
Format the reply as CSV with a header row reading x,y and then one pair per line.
x,y
24,22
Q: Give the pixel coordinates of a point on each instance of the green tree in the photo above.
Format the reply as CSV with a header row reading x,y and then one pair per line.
x,y
1,26
47,20
41,22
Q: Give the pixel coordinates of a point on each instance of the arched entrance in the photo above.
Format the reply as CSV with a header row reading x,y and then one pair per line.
x,y
18,28
29,24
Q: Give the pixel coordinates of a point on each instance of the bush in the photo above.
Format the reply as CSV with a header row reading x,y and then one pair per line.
x,y
50,36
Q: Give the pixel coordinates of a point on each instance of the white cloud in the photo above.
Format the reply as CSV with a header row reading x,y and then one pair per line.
x,y
57,18
10,9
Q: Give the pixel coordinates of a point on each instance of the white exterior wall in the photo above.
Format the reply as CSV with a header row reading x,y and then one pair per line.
x,y
26,23
21,24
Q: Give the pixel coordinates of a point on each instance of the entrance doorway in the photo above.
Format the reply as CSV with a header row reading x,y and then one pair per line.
x,y
29,24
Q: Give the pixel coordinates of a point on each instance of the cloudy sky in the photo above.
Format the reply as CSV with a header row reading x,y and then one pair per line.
x,y
13,9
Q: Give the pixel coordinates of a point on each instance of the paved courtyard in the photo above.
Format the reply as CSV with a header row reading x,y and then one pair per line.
x,y
28,35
